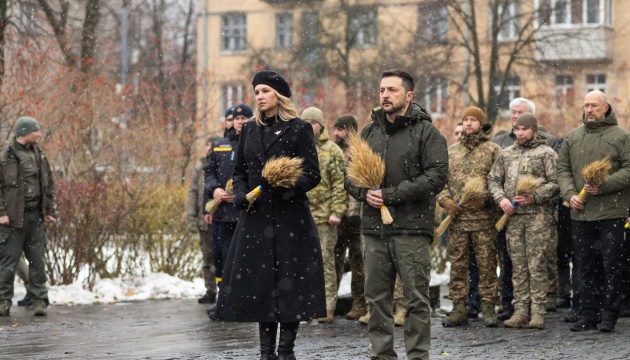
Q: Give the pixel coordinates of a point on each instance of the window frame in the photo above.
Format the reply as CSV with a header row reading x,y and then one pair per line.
x,y
431,10
596,85
284,31
605,14
358,22
232,94
513,91
233,34
513,22
564,87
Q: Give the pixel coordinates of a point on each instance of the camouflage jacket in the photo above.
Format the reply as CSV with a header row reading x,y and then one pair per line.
x,y
472,156
195,203
354,207
534,158
328,198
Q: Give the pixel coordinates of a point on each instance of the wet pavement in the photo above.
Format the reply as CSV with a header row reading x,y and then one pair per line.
x,y
180,329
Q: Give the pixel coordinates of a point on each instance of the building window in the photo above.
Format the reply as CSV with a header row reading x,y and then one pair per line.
x,y
362,27
231,95
511,90
284,30
564,92
309,44
434,95
596,82
574,12
432,24
509,23
233,33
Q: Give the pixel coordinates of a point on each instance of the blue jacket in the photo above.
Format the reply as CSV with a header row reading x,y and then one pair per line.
x,y
217,171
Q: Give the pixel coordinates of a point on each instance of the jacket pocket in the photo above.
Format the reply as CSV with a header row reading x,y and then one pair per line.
x,y
10,173
5,233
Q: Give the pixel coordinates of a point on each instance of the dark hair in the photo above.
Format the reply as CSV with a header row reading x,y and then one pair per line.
x,y
406,77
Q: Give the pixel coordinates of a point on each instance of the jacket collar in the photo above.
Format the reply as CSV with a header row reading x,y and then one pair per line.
x,y
533,143
262,143
413,114
609,119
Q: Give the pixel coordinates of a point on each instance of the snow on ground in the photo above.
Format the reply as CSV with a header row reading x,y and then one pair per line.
x,y
153,286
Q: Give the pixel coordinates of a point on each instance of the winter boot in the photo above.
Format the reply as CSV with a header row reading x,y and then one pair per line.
x,y
28,300
208,298
356,312
288,332
39,307
537,321
365,318
330,317
399,317
489,315
5,307
517,322
459,315
267,333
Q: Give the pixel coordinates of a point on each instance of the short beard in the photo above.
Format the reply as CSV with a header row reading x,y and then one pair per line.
x,y
339,141
395,108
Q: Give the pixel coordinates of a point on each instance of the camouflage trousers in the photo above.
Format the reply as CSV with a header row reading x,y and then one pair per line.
x,y
484,242
528,243
552,265
353,245
208,261
328,239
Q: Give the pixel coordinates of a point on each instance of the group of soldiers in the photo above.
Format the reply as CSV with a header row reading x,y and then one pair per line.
x,y
591,231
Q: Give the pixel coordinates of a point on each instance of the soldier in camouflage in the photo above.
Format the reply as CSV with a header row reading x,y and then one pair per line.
x,y
474,220
528,231
328,203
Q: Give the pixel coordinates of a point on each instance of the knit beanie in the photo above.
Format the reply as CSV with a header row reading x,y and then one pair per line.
x,y
243,109
528,120
228,112
25,125
347,122
477,113
313,113
273,79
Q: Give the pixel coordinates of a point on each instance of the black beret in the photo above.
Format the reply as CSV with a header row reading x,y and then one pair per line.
x,y
273,79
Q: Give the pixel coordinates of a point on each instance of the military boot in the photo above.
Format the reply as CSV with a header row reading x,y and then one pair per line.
x,y
356,312
330,317
537,322
399,317
288,333
365,318
39,307
457,317
489,315
517,322
5,307
267,333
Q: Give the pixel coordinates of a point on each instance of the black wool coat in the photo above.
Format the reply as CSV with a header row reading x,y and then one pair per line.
x,y
274,270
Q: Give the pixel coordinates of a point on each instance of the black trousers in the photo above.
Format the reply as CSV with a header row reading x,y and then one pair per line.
x,y
568,281
507,288
598,247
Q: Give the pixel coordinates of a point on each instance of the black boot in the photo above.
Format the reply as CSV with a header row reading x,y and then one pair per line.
x,y
288,332
267,333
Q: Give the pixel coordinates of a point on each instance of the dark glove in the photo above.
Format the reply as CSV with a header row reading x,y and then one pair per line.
x,y
354,221
474,204
450,207
274,190
265,185
240,201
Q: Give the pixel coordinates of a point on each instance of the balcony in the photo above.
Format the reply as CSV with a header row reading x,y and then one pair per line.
x,y
574,43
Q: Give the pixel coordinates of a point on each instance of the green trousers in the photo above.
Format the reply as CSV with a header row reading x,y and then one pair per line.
x,y
408,256
31,239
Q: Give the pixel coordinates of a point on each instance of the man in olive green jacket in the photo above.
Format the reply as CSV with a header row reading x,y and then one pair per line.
x,y
26,202
598,222
416,164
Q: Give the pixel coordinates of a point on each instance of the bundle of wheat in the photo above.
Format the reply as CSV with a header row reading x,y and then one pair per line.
x,y
526,186
281,171
212,205
366,169
474,188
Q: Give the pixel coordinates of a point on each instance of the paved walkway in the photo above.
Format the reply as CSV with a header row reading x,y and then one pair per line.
x,y
180,329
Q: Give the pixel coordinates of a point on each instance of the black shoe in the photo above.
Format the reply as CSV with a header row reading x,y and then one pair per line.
x,y
583,325
572,317
564,303
506,315
212,314
606,327
473,313
208,298
27,301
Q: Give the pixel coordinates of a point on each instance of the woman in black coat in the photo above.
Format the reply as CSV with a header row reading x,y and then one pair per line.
x,y
274,272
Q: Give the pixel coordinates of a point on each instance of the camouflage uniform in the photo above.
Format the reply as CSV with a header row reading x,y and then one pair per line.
x,y
326,199
349,239
471,157
528,230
